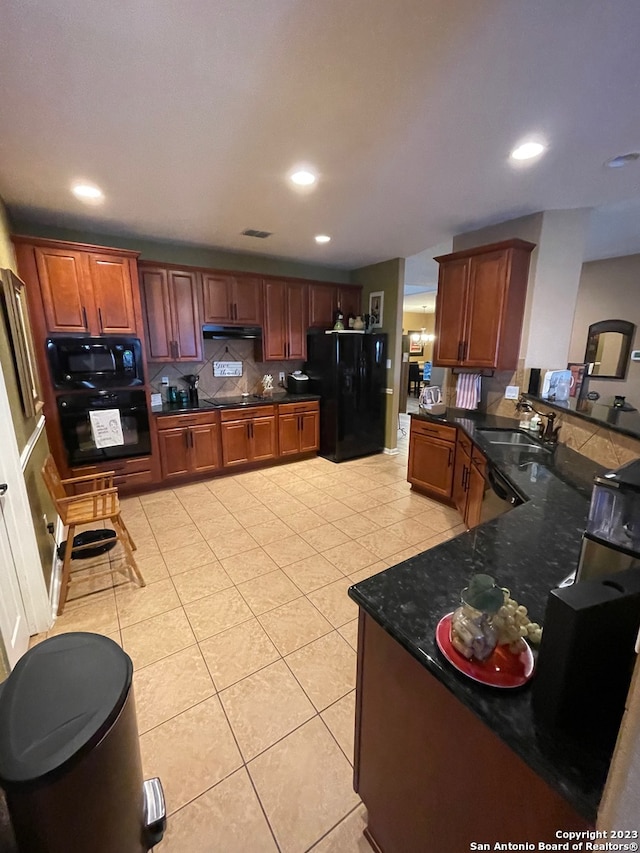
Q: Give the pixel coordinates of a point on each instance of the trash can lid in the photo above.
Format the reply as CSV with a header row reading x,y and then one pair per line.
x,y
60,700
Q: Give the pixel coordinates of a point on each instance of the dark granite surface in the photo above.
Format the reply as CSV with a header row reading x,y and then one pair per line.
x,y
529,550
619,420
206,405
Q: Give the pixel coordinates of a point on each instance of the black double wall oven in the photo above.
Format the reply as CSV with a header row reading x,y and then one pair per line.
x,y
99,374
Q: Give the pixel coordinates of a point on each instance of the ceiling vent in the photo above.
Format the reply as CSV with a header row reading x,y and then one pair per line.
x,y
251,232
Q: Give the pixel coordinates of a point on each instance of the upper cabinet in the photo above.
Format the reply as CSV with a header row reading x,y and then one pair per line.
x,y
349,300
83,291
480,305
171,306
232,299
323,304
285,320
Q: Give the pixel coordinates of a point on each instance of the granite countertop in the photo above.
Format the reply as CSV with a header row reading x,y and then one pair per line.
x,y
207,405
626,421
529,550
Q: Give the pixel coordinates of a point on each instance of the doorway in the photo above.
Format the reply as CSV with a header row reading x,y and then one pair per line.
x,y
13,620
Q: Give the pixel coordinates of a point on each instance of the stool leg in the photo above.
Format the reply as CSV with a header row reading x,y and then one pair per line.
x,y
129,536
66,569
122,534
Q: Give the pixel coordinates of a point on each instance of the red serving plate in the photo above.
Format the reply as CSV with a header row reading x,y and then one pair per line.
x,y
503,668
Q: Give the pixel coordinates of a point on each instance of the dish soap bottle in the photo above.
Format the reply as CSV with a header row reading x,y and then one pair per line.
x,y
339,324
534,423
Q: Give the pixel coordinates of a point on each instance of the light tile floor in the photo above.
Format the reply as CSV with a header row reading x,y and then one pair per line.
x,y
244,643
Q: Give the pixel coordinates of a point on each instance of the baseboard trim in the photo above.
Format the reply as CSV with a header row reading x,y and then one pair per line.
x,y
391,451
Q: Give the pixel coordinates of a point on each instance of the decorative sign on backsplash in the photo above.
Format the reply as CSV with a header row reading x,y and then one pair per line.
x,y
227,368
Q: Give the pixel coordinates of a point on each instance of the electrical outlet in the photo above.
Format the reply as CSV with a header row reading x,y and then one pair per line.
x,y
281,377
165,380
512,392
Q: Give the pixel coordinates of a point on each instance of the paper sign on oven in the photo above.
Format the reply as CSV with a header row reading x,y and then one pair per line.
x,y
106,428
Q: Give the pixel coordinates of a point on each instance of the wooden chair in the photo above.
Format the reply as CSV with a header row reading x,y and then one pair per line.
x,y
98,502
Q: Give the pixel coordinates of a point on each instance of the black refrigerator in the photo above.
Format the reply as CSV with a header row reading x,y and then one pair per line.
x,y
348,371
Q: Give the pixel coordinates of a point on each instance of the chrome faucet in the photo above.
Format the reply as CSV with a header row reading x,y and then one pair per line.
x,y
548,432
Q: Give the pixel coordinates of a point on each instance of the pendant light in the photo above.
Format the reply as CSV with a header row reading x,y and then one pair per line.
x,y
422,337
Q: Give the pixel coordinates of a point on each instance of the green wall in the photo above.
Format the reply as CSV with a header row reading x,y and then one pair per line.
x,y
388,277
184,253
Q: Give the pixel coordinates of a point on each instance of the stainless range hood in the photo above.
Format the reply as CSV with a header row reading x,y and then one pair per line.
x,y
223,333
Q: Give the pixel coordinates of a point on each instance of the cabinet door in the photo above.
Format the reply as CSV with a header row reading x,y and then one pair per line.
x,y
218,298
235,443
62,277
289,434
263,439
349,300
247,300
475,495
174,452
113,294
431,464
204,447
460,475
275,339
309,431
450,312
323,303
487,292
185,316
296,315
156,305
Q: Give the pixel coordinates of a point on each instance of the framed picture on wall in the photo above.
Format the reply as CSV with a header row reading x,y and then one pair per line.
x,y
415,346
14,307
376,307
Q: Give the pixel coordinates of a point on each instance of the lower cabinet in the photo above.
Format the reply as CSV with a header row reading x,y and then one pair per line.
x,y
248,435
431,458
469,481
188,444
128,474
298,428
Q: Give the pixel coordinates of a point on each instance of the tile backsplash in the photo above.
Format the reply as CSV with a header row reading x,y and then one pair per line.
x,y
211,386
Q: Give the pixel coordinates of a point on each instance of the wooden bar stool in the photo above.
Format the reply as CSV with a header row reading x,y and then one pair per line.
x,y
98,502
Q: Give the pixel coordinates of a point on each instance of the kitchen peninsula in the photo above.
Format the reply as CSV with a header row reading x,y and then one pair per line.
x,y
442,761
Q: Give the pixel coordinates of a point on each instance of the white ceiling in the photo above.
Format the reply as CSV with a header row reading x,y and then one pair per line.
x,y
188,115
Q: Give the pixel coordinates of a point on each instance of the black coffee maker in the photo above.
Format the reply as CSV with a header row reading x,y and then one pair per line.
x,y
192,386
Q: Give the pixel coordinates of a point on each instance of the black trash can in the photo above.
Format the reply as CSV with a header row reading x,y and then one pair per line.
x,y
69,754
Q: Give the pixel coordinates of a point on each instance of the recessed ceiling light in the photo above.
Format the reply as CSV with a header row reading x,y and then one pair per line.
x,y
303,177
87,192
322,238
527,151
623,160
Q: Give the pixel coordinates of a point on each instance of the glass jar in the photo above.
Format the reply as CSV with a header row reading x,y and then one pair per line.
x,y
472,633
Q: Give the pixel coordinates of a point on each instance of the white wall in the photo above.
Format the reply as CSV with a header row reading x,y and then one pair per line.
x,y
609,290
557,277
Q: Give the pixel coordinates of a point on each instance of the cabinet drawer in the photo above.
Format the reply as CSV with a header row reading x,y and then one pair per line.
x,y
133,481
246,414
298,408
434,430
188,419
119,466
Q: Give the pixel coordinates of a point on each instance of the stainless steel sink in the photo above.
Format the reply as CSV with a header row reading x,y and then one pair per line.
x,y
511,438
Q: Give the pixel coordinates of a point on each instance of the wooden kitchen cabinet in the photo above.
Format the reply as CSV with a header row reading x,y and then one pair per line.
x,y
84,291
323,304
350,300
171,308
248,435
469,480
232,299
480,305
431,458
188,444
285,320
298,428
